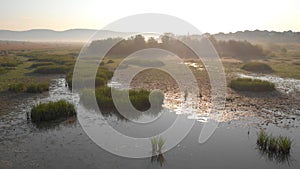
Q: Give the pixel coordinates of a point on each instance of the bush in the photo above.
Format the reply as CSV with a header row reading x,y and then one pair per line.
x,y
30,88
52,111
52,69
254,85
257,67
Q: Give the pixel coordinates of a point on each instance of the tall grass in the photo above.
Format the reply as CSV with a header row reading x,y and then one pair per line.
x,y
273,145
29,88
157,145
139,98
52,111
254,85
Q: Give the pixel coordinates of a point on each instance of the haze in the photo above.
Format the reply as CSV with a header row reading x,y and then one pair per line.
x,y
209,16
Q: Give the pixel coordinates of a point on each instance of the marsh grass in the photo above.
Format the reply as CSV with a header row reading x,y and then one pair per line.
x,y
52,111
157,145
254,85
52,69
277,148
35,65
29,88
141,99
257,67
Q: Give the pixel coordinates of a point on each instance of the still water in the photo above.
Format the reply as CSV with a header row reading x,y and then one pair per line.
x,y
66,145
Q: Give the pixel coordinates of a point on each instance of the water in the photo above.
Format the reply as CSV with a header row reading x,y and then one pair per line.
x,y
65,145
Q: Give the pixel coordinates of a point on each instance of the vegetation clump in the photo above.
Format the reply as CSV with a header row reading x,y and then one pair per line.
x,y
254,85
52,111
54,69
139,98
274,145
29,88
257,67
35,65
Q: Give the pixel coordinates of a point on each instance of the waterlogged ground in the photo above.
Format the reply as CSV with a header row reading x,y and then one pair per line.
x,y
66,145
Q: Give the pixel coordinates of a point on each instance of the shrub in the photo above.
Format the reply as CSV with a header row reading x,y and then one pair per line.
x,y
257,67
52,69
254,85
52,111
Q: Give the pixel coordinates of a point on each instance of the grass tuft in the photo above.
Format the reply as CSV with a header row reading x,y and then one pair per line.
x,y
254,85
52,111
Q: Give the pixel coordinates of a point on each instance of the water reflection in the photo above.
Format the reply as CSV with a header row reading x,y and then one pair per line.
x,y
157,155
275,156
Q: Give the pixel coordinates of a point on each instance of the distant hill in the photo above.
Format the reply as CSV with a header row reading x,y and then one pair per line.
x,y
258,36
71,35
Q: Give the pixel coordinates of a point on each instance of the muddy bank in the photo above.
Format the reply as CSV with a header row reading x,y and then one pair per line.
x,y
280,107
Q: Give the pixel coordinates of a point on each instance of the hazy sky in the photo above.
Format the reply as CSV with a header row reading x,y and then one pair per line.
x,y
207,15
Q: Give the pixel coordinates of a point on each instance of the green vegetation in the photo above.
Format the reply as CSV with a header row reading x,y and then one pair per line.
x,y
52,111
2,70
35,65
257,67
110,61
274,145
29,88
144,62
9,61
157,144
55,69
138,98
254,85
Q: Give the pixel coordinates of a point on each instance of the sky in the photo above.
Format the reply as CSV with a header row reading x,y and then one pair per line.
x,y
211,16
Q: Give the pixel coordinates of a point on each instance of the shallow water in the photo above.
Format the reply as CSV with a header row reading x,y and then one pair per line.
x,y
23,145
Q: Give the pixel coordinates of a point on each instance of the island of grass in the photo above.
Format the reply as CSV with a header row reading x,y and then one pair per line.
x,y
52,111
252,85
29,88
274,145
141,99
257,67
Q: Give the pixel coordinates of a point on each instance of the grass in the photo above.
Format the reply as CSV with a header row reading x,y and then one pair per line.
x,y
274,145
52,111
29,88
253,85
139,98
257,67
35,65
144,62
53,69
157,145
